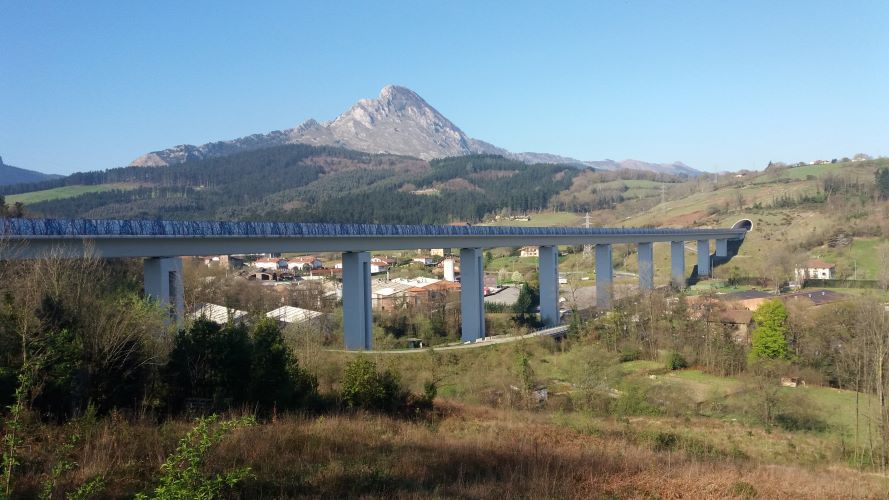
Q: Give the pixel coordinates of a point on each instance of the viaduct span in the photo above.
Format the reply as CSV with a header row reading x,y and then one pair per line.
x,y
161,243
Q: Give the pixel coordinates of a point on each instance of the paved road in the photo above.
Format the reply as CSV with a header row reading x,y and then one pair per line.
x,y
487,341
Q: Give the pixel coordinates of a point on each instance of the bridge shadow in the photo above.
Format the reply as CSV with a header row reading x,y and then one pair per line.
x,y
734,246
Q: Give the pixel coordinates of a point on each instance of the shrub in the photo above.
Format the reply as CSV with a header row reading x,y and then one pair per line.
x,y
629,354
366,388
743,489
633,401
182,476
675,361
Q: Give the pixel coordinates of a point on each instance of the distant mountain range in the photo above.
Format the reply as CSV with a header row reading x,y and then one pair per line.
x,y
15,175
397,122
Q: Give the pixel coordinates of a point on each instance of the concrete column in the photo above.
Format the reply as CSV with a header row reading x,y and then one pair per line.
x,y
357,312
604,276
163,283
472,296
677,263
722,248
549,285
646,266
704,258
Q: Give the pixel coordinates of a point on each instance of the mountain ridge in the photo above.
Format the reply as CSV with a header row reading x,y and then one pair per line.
x,y
10,174
398,122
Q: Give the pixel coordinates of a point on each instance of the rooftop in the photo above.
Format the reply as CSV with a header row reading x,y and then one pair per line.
x,y
290,314
217,314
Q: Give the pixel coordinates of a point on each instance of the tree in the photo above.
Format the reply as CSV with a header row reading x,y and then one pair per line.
x,y
882,181
769,337
17,209
276,379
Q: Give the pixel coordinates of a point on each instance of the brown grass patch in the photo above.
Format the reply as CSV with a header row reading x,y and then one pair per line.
x,y
463,451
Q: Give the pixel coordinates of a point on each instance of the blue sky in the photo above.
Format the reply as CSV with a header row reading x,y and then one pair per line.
x,y
716,84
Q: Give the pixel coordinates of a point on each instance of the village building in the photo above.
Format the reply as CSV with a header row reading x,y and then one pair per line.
x,y
262,276
424,259
376,267
814,297
530,252
404,292
816,269
304,263
270,263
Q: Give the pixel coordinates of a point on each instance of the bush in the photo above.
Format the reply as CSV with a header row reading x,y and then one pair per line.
x,y
629,354
675,361
366,388
182,475
633,401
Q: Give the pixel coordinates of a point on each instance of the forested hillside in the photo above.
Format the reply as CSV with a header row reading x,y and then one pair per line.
x,y
305,183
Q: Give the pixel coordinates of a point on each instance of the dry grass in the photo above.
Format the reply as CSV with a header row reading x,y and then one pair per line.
x,y
464,451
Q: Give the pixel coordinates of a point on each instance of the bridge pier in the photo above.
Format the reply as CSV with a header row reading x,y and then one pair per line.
x,y
472,296
549,285
163,283
357,312
645,255
604,276
722,248
677,264
704,258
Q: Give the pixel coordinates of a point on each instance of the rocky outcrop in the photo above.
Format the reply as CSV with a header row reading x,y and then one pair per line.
x,y
398,122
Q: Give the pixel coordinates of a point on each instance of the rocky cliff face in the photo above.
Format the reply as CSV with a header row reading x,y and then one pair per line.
x,y
398,122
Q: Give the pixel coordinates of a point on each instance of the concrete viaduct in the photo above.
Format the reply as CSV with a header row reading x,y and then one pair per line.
x,y
161,243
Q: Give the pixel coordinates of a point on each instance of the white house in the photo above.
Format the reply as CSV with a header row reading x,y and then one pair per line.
x,y
376,266
270,264
424,259
530,252
816,269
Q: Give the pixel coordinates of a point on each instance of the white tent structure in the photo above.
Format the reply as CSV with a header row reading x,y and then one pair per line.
x,y
292,315
218,314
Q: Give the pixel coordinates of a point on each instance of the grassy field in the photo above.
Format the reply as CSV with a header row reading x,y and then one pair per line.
x,y
860,259
64,192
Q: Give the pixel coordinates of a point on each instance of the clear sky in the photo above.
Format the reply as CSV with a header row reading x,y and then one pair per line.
x,y
716,84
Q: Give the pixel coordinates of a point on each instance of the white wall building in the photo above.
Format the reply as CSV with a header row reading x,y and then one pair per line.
x,y
816,270
270,264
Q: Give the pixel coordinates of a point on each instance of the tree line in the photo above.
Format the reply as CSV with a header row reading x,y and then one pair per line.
x,y
290,183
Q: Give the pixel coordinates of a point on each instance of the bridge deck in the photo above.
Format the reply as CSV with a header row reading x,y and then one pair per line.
x,y
155,238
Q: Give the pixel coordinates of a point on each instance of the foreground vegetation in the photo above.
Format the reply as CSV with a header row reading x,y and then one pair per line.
x,y
460,451
645,401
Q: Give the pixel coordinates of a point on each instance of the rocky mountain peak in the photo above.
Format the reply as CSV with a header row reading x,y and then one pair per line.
x,y
398,121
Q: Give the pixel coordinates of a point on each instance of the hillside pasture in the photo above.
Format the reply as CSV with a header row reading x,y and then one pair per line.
x,y
65,192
